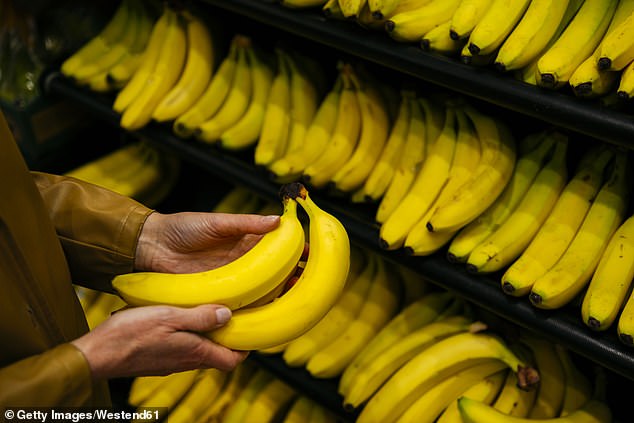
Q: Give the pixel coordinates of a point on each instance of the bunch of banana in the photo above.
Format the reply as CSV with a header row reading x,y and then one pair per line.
x,y
168,391
107,60
135,170
303,409
97,305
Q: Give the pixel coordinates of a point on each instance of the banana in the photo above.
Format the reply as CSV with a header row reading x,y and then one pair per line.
x,y
466,17
512,400
100,43
473,411
237,409
531,34
494,170
578,388
424,189
345,136
237,101
625,324
319,414
575,44
214,95
435,364
495,25
315,292
419,240
115,161
380,305
85,295
412,158
368,379
351,8
277,117
142,388
438,40
345,310
291,166
300,410
414,316
270,402
561,225
430,405
611,280
172,389
233,200
203,392
510,239
162,77
101,308
410,26
379,178
135,85
197,71
572,272
375,128
625,89
486,391
383,9
235,383
469,58
234,284
332,10
245,132
617,47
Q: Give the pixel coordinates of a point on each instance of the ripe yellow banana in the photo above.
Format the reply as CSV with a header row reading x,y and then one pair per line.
x,y
300,410
375,128
383,9
494,170
237,101
430,405
510,239
351,8
495,26
617,47
368,379
531,34
425,188
235,284
142,388
171,389
214,95
473,411
272,399
435,364
310,298
625,89
277,117
380,305
245,132
101,308
438,40
237,409
197,71
203,392
578,388
562,224
611,280
552,383
410,26
625,324
512,400
345,136
162,78
466,17
576,43
572,272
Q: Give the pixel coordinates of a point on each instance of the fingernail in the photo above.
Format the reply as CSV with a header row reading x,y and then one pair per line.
x,y
270,218
223,315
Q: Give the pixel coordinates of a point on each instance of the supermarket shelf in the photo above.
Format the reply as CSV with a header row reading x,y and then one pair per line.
x,y
558,108
562,326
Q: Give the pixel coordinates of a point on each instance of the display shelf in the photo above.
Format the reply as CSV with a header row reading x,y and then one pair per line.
x,y
563,326
555,107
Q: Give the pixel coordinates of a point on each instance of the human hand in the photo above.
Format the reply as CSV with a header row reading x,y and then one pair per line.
x,y
157,340
189,242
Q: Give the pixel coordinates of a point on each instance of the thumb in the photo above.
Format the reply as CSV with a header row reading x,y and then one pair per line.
x,y
203,318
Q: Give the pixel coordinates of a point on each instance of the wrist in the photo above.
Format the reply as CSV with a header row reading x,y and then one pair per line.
x,y
147,243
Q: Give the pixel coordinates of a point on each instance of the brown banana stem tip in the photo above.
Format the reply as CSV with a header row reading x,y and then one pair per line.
x,y
293,190
527,378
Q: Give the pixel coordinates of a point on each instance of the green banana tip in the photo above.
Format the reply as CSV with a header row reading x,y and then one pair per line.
x,y
293,190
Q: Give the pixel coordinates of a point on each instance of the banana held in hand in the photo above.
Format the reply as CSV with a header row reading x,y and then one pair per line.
x,y
310,298
235,284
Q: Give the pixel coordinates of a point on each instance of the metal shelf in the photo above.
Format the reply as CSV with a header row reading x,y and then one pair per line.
x,y
563,326
555,107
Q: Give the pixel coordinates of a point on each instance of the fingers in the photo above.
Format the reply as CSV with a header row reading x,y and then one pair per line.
x,y
202,318
228,225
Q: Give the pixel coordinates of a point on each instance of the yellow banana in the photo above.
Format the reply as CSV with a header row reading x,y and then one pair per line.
x,y
562,224
625,89
512,400
435,364
473,411
466,17
268,325
576,43
383,9
277,117
438,40
162,78
245,132
234,284
572,272
495,26
197,71
380,305
351,8
345,136
300,410
508,241
237,409
625,324
611,280
214,95
578,388
617,47
332,10
274,397
236,382
203,392
101,308
410,26
172,389
237,101
494,170
142,388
